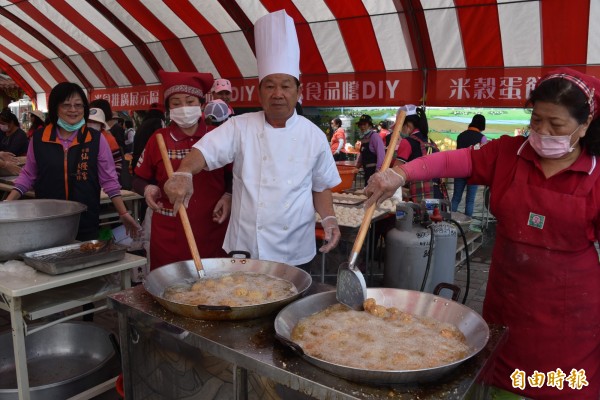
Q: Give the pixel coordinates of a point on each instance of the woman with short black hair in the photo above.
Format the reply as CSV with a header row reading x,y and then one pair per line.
x,y
67,160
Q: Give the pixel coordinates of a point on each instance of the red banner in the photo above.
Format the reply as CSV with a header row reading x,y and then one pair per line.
x,y
365,89
492,87
131,98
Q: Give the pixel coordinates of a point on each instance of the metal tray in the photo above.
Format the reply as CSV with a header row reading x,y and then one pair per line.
x,y
62,259
343,200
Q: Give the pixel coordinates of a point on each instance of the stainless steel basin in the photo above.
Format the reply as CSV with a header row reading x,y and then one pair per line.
x,y
28,225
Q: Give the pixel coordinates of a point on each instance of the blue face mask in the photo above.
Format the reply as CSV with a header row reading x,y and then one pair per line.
x,y
70,127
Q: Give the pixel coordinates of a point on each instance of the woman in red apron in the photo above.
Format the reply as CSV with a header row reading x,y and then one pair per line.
x,y
545,275
209,206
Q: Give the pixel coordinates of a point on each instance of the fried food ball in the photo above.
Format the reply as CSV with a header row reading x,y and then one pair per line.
x,y
369,304
210,283
255,295
241,292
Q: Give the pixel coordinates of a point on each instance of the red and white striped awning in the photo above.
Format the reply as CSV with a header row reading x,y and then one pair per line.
x,y
353,52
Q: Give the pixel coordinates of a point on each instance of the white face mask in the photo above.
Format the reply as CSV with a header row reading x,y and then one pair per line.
x,y
548,146
186,117
3,128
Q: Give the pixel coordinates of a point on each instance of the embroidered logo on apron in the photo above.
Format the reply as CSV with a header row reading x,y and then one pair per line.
x,y
536,220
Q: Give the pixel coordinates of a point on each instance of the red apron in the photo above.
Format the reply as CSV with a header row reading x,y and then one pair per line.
x,y
168,243
544,284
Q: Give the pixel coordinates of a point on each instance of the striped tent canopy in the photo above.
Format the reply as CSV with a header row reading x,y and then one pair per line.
x,y
485,53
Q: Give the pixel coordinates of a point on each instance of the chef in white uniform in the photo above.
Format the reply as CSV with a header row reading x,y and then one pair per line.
x,y
283,169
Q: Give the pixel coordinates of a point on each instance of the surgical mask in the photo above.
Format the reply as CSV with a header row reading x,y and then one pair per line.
x,y
186,117
95,126
548,146
70,127
3,128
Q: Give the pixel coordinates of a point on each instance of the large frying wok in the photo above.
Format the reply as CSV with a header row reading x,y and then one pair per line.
x,y
185,272
468,321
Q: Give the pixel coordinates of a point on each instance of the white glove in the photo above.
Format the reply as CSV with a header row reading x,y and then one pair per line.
x,y
179,188
383,185
132,227
332,233
152,194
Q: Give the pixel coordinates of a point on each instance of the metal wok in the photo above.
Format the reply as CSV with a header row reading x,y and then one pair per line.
x,y
468,321
185,272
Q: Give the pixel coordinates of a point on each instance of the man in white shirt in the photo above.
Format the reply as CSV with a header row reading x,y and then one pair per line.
x,y
283,168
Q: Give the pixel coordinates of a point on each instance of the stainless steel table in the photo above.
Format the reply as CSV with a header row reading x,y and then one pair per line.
x,y
31,298
150,334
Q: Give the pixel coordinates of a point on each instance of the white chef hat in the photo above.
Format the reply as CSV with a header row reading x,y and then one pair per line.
x,y
277,48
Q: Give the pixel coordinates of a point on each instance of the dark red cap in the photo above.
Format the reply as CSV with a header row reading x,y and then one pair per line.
x,y
192,83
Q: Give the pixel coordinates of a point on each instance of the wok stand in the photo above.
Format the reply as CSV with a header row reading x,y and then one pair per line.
x,y
160,352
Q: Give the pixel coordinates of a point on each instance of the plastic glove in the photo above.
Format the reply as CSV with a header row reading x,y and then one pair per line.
x,y
132,227
179,188
383,185
332,233
152,194
222,209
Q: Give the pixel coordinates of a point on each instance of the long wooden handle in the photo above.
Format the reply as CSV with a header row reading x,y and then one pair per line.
x,y
364,226
185,221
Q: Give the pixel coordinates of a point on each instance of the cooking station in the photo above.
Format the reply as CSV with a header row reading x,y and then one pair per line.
x,y
162,356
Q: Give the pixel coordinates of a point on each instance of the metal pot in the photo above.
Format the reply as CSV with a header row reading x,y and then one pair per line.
x,y
468,321
185,272
28,225
63,360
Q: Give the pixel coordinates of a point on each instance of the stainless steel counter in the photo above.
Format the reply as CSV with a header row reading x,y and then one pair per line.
x,y
149,332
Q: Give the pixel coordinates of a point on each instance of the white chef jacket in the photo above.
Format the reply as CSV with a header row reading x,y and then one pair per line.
x,y
275,171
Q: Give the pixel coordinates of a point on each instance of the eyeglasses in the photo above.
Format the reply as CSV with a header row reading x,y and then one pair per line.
x,y
67,107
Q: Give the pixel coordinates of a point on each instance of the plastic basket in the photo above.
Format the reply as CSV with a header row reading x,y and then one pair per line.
x,y
347,173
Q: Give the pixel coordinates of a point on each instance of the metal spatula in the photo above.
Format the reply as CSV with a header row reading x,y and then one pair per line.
x,y
351,288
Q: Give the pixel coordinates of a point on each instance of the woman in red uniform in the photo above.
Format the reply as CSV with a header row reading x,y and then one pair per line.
x,y
209,206
545,275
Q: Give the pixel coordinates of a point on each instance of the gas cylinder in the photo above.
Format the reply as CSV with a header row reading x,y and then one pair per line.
x,y
445,236
406,250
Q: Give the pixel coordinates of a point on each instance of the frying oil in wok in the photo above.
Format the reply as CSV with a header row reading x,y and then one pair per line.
x,y
236,289
379,338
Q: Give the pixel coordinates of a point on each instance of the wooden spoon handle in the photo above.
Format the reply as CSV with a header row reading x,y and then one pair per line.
x,y
187,228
